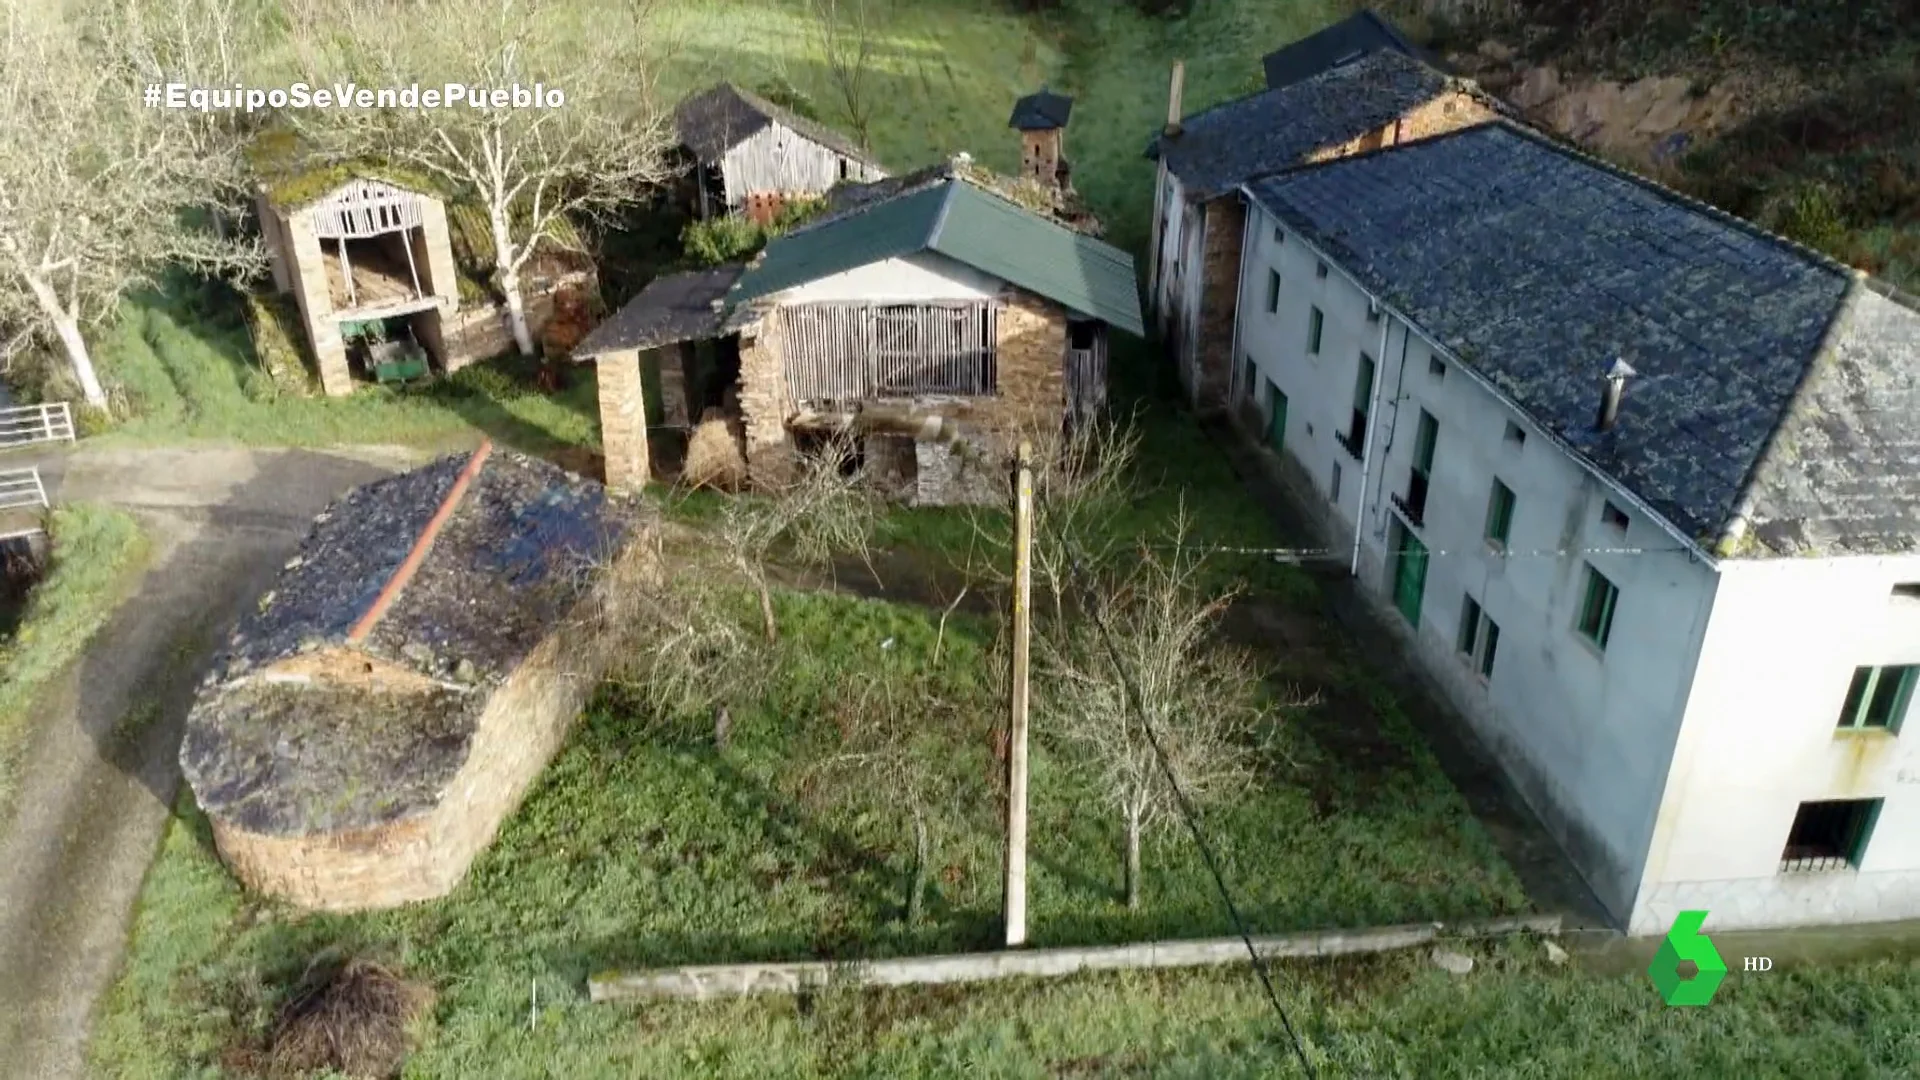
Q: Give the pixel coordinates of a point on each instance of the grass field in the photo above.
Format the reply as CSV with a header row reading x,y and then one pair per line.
x,y
95,555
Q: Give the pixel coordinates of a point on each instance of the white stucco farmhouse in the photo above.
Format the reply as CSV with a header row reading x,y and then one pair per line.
x,y
1643,484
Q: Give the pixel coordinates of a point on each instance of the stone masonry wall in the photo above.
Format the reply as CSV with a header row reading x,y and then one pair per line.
x,y
623,420
763,404
316,305
1031,356
423,857
1224,232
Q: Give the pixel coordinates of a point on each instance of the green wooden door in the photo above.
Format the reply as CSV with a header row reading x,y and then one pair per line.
x,y
1277,420
1409,572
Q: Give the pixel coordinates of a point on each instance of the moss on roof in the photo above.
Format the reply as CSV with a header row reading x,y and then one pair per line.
x,y
293,173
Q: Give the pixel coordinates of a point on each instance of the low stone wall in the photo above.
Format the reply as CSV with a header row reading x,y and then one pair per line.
x,y
424,856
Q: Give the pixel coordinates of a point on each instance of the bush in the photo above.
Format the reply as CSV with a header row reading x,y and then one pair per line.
x,y
789,97
1808,214
279,342
736,238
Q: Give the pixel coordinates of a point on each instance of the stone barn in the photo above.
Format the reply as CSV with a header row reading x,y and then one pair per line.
x,y
363,257
752,156
415,666
934,318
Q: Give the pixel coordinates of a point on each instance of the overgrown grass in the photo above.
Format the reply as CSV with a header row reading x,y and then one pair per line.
x,y
183,362
96,554
643,845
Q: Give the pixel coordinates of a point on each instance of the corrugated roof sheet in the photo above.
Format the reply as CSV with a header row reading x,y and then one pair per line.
x,y
971,226
1771,382
1229,144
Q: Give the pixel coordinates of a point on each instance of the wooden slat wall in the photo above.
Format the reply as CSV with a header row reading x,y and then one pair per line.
x,y
1087,378
365,208
850,352
783,162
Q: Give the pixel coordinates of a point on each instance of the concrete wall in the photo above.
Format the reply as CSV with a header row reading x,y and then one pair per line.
x,y
1762,736
425,856
910,279
1586,734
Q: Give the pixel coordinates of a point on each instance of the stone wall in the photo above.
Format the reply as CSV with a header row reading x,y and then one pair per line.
x,y
1040,155
623,420
1030,357
425,856
969,471
763,404
309,269
1222,235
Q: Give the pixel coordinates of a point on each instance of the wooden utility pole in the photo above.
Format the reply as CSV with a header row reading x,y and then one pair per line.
x,y
1016,894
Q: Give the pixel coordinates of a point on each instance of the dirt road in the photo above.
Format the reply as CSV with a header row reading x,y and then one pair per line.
x,y
100,772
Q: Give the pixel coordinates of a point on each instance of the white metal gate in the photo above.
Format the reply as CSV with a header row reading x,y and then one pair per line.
x,y
27,425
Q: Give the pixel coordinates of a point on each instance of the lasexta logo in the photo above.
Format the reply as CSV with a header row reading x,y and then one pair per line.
x,y
1686,942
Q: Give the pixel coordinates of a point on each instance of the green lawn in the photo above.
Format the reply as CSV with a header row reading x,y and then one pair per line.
x,y
96,554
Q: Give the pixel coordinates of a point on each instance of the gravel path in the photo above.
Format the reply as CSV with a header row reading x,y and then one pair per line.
x,y
100,770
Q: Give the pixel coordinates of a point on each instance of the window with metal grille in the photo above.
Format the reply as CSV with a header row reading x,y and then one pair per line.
x,y
1878,696
1829,835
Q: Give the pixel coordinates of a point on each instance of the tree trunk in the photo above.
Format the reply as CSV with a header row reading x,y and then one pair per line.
x,y
67,328
922,860
504,256
1133,861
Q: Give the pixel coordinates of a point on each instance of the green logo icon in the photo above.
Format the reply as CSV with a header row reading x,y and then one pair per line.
x,y
1686,942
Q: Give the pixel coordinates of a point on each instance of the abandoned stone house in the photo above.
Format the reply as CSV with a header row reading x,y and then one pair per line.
x,y
1381,99
749,155
365,253
1637,484
414,667
1041,119
934,319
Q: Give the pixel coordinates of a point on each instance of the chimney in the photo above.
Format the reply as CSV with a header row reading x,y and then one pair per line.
x,y
1617,377
1174,87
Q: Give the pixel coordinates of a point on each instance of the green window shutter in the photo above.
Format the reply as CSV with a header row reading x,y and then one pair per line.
x,y
1879,696
1315,322
1273,290
1469,626
1424,439
1500,514
1596,612
1489,647
1277,421
1863,678
1409,574
1363,385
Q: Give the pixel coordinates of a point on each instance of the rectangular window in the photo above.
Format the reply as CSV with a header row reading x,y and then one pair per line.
x,y
1479,638
1515,435
1334,487
1596,609
1613,517
1354,439
1878,696
1907,590
1436,368
1273,290
1250,378
1500,514
1829,835
1315,322
1279,235
1320,269
1414,505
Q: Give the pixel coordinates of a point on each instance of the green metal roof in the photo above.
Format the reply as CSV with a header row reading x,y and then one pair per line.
x,y
970,226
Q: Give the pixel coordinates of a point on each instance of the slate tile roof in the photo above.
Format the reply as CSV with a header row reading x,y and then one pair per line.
x,y
961,221
502,570
1774,386
1343,42
1231,143
720,118
670,310
1041,111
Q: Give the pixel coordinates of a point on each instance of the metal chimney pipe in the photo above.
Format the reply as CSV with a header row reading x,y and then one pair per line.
x,y
1617,377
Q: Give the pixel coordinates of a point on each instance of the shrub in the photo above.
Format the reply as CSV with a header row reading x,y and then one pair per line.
x,y
735,237
789,97
279,344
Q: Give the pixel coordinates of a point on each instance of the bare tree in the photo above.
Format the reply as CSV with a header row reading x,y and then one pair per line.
x,y
531,168
825,508
844,32
1143,673
100,191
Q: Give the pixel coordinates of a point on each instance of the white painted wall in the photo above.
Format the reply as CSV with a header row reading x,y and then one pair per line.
x,y
911,279
1585,734
776,160
1762,736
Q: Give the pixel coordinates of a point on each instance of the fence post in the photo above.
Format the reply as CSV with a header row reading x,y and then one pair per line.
x,y
1016,891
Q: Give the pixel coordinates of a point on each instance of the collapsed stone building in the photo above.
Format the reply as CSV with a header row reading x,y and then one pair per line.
x,y
414,667
934,318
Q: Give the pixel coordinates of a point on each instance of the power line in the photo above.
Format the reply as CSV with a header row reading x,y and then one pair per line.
x,y
1187,811
1322,554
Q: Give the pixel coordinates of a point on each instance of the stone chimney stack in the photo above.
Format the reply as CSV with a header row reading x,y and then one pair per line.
x,y
1616,384
1041,119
